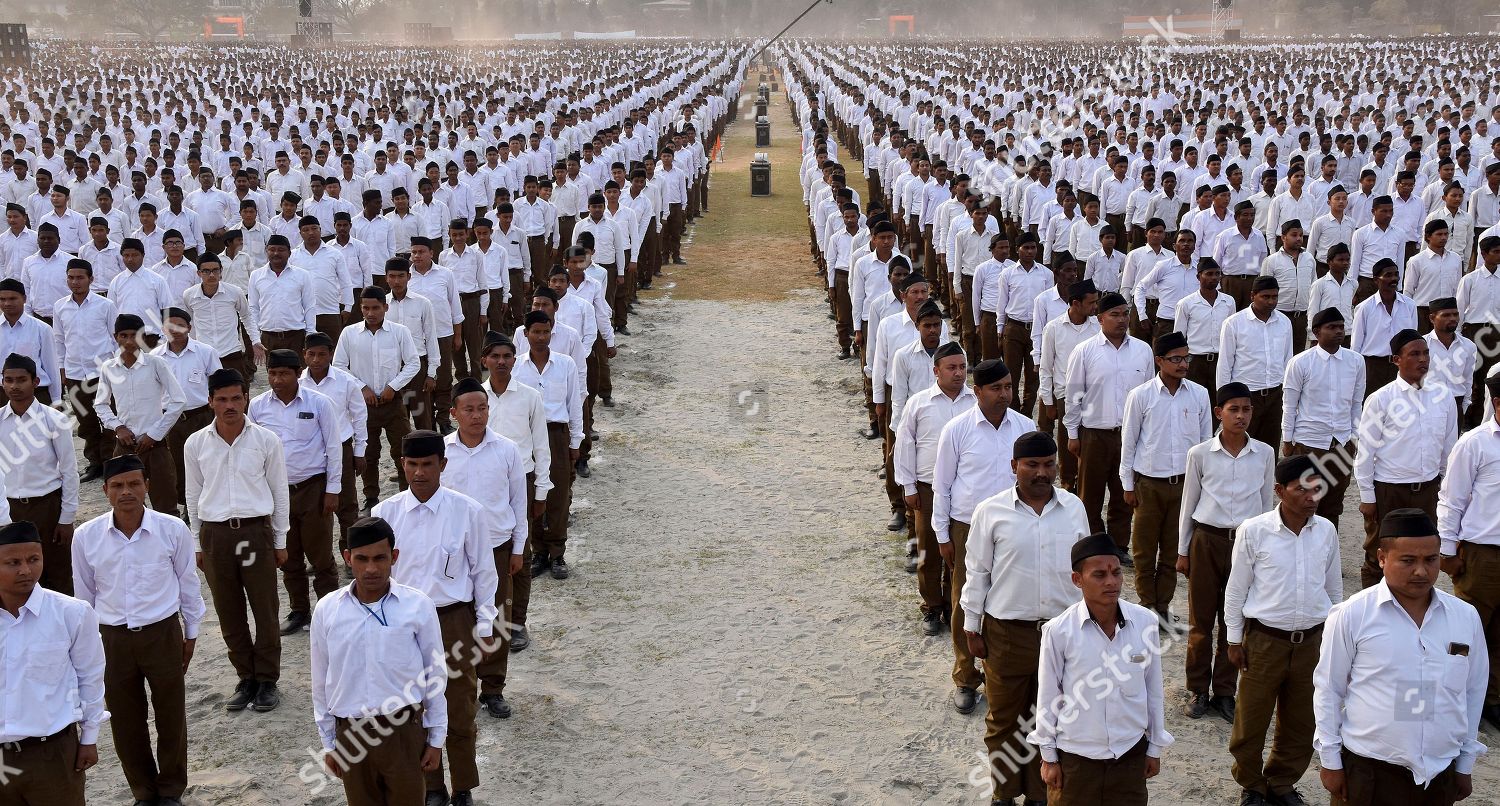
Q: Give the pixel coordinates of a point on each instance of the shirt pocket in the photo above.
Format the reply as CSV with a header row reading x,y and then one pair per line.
x,y
151,575
306,427
47,663
1455,673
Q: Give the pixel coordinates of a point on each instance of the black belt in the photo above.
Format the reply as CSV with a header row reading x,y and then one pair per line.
x,y
1173,480
1294,636
1114,430
236,523
1218,531
1029,625
31,741
323,477
449,608
36,498
1266,392
125,628
1209,357
469,294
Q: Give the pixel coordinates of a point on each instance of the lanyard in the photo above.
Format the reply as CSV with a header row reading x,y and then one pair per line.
x,y
380,617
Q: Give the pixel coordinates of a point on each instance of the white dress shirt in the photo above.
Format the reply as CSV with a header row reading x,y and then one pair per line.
x,y
1284,580
1322,394
1294,278
1405,434
217,319
191,368
917,433
1060,337
38,447
972,464
1076,659
285,302
1479,296
35,339
414,311
54,669
1253,351
384,358
85,334
1019,563
557,382
911,372
1452,366
1469,501
1224,490
308,427
1374,324
243,479
144,397
491,473
446,551
1167,282
1160,427
1019,288
1328,292
519,415
142,292
1100,376
440,287
139,579
1431,276
1373,656
1202,321
362,667
346,392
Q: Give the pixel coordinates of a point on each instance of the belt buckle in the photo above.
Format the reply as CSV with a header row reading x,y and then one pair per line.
x,y
234,523
11,747
1416,486
1297,636
1040,623
1174,480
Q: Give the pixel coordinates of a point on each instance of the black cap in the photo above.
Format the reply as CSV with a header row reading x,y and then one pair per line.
x,y
466,386
419,444
1292,468
1231,391
365,531
283,359
1407,522
952,348
122,464
536,317
224,377
1081,289
12,284
1034,444
373,292
1095,545
18,361
128,321
1264,282
19,532
987,372
1402,338
1167,342
1442,304
317,340
1327,316
1110,301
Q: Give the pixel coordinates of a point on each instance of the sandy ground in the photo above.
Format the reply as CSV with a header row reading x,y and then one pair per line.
x,y
739,628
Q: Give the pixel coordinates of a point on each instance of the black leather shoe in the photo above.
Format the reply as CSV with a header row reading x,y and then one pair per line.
x,y
898,521
677,261
1125,559
168,802
560,569
1197,705
1491,714
932,623
436,798
911,565
519,639
845,355
145,803
295,622
267,698
92,473
608,402
539,565
1224,707
873,432
461,799
244,694
964,699
623,330
1291,797
1250,797
582,469
370,503
495,705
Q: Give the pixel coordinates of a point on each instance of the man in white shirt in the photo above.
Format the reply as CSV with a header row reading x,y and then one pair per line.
x,y
1254,348
376,654
1407,644
1017,576
1467,518
1163,419
1406,430
192,362
449,558
53,702
237,505
1103,753
41,480
555,377
84,328
1060,337
307,424
383,358
1323,389
1284,576
135,566
139,400
1377,320
283,299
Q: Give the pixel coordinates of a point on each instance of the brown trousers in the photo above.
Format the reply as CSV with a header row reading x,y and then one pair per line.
x,y
390,420
492,668
1017,347
1368,782
1479,585
1238,286
565,225
462,695
554,533
1336,471
44,774
965,674
966,332
389,750
1208,573
1067,463
520,299
442,394
1099,470
134,660
293,340
888,447
520,583
161,476
189,422
348,511
1265,418
1153,540
933,575
672,238
989,338
1423,496
329,324
57,558
309,544
1299,330
541,263
97,446
239,561
842,308
1486,338
1279,683
1097,782
1014,653
1379,371
473,331
417,400
1203,369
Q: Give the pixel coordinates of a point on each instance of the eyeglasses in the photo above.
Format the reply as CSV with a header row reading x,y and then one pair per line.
x,y
1177,359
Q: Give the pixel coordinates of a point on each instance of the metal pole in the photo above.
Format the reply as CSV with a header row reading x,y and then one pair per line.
x,y
789,27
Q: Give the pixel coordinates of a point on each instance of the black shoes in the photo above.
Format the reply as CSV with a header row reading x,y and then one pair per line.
x,y
964,699
461,799
1197,705
295,622
560,568
932,623
539,565
370,503
266,699
898,521
92,473
168,802
244,694
1291,797
1491,714
1224,707
519,639
608,402
495,705
623,330
845,355
436,798
1125,559
1250,797
873,432
582,469
677,261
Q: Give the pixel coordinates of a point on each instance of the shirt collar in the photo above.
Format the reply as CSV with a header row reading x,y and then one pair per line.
x,y
430,504
1216,445
1383,595
1084,616
37,601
